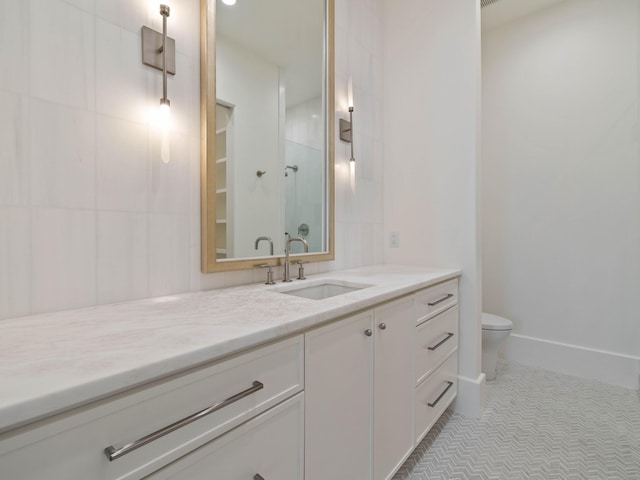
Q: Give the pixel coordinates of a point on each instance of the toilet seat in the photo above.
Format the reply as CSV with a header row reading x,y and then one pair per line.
x,y
495,323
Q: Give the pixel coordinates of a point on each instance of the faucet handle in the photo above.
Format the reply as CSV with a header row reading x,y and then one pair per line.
x,y
269,273
301,270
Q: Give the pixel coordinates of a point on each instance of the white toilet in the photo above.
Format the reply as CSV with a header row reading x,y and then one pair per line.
x,y
495,330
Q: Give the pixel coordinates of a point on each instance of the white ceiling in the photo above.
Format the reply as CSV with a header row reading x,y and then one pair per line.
x,y
288,33
504,11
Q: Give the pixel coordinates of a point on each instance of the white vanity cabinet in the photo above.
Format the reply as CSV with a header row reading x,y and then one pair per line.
x,y
376,383
436,359
359,394
393,397
338,398
72,445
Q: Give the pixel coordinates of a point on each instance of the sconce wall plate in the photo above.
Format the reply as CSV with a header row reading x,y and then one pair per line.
x,y
345,130
152,50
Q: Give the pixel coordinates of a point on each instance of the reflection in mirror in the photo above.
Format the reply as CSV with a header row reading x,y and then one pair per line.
x,y
272,143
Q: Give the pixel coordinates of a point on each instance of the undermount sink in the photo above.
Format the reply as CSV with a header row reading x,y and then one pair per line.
x,y
326,289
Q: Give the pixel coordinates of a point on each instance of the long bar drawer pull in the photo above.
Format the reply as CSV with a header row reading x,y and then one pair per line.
x,y
113,454
437,345
447,296
257,476
435,402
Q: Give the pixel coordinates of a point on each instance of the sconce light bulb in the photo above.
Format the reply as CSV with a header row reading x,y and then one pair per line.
x,y
352,174
229,2
165,113
165,126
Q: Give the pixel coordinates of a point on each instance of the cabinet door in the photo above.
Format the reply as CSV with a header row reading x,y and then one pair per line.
x,y
270,447
393,387
338,394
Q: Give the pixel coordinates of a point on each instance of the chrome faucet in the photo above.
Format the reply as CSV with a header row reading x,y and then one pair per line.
x,y
268,239
287,246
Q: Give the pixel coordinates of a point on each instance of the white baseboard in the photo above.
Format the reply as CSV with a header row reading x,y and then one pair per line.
x,y
472,395
608,367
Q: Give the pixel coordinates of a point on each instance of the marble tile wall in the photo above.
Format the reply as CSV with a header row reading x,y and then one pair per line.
x,y
88,212
359,201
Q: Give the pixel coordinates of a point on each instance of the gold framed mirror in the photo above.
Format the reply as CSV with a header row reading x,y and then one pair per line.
x,y
267,131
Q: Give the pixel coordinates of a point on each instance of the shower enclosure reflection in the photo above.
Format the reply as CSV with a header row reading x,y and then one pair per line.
x,y
304,174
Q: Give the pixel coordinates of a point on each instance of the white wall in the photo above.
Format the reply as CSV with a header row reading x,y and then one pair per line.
x,y
88,212
251,85
431,111
561,217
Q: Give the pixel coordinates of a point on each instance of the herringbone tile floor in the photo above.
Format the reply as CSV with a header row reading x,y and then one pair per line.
x,y
538,425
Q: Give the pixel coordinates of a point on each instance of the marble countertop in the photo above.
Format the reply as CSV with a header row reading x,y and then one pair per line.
x,y
53,362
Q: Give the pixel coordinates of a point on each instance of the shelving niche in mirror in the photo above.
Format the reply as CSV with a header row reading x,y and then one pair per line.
x,y
267,106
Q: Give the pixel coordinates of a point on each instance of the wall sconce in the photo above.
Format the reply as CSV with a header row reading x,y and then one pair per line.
x,y
159,51
346,128
346,131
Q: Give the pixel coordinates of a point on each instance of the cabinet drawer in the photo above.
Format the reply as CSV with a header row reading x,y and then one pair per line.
x,y
435,340
434,395
72,446
269,446
436,299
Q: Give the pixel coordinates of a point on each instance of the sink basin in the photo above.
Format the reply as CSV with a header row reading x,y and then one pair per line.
x,y
326,289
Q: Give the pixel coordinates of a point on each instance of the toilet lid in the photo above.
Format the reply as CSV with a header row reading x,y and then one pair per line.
x,y
494,322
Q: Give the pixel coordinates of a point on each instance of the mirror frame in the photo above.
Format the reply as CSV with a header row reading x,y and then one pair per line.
x,y
209,264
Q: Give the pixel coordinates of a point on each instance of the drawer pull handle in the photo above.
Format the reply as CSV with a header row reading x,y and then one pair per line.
x,y
435,402
439,344
447,296
113,454
257,476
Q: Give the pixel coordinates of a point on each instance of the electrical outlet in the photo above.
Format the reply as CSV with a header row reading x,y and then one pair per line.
x,y
394,239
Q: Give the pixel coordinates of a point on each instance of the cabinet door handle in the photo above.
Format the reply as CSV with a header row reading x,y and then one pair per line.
x,y
382,326
368,332
257,476
112,453
437,345
435,402
447,296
